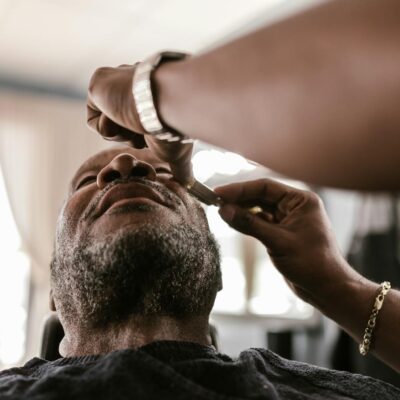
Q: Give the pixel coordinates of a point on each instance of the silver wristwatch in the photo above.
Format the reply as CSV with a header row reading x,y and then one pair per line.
x,y
144,99
144,102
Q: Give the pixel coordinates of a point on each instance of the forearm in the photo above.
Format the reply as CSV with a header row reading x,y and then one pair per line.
x,y
350,304
321,88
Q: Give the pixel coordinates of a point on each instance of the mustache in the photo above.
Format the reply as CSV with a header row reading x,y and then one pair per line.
x,y
166,193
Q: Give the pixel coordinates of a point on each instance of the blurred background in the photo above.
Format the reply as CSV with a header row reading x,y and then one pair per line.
x,y
48,51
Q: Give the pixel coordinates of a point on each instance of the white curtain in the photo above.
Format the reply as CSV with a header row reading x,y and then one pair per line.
x,y
43,140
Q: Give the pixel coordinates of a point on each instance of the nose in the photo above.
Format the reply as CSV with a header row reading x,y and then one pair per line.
x,y
124,166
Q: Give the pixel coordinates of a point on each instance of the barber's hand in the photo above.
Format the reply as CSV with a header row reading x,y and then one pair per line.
x,y
295,230
110,106
111,112
178,156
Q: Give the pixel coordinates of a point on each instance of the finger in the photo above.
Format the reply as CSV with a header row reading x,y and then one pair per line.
x,y
245,222
137,141
182,172
177,154
112,131
117,133
266,216
92,115
265,190
99,123
98,86
172,152
110,91
180,156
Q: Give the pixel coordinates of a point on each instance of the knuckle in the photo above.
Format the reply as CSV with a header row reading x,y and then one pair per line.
x,y
101,71
262,181
314,199
92,124
263,185
243,221
98,75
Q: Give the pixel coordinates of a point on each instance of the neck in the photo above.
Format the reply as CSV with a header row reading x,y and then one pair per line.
x,y
133,333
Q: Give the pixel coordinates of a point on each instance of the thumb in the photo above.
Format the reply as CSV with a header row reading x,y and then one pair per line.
x,y
251,224
182,171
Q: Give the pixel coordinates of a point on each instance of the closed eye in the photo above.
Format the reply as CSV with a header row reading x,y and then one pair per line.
x,y
86,181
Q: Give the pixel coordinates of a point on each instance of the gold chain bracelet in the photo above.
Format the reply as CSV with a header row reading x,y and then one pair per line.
x,y
366,342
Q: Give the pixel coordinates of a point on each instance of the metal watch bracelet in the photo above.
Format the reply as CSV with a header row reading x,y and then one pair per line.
x,y
144,99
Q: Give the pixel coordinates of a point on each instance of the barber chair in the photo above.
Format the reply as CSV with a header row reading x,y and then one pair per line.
x,y
53,333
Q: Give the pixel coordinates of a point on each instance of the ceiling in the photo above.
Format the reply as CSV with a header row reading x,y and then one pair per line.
x,y
57,44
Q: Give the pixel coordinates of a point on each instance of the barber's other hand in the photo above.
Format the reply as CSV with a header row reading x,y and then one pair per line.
x,y
178,156
110,106
112,113
295,230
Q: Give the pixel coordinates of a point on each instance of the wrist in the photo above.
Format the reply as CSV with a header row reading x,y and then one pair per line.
x,y
347,300
167,91
327,277
143,90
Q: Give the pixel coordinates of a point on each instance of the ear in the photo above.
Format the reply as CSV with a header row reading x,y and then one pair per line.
x,y
52,304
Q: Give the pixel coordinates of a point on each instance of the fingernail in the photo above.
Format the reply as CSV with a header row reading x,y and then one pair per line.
x,y
227,212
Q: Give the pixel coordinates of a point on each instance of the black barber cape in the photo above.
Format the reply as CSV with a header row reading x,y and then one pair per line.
x,y
179,370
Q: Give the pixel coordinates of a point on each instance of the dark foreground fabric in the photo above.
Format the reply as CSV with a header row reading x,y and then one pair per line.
x,y
178,370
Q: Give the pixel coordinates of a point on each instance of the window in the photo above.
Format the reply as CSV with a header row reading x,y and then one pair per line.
x,y
14,286
269,294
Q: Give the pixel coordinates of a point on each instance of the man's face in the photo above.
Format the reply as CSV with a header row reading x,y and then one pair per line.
x,y
131,240
125,187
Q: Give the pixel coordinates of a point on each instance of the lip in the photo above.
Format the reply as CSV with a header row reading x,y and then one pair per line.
x,y
128,191
129,202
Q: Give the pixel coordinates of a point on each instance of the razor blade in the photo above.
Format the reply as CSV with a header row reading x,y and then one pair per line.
x,y
207,196
203,193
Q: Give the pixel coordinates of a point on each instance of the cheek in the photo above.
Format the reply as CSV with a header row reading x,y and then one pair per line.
x,y
199,215
72,212
194,212
179,190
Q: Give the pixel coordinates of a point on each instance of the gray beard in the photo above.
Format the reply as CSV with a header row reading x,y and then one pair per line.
x,y
152,270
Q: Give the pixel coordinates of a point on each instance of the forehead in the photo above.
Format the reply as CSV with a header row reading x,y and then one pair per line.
x,y
101,159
